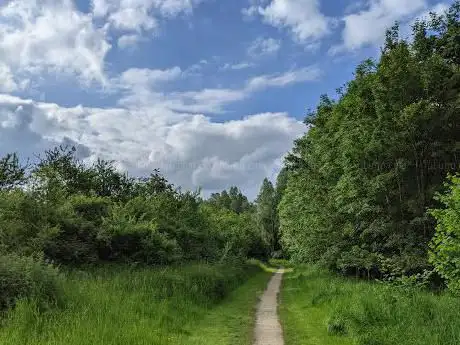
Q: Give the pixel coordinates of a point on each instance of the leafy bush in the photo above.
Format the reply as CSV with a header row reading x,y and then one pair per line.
x,y
129,233
332,309
76,214
445,247
21,221
25,277
70,235
280,263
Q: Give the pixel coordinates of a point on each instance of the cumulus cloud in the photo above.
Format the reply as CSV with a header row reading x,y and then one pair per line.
x,y
132,18
140,15
8,82
43,37
367,25
302,18
38,36
149,125
264,46
190,149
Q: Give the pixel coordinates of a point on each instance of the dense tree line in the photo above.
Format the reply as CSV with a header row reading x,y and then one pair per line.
x,y
361,182
74,213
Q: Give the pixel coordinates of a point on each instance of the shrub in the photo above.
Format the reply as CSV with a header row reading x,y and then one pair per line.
x,y
21,219
129,234
445,246
25,277
280,263
70,236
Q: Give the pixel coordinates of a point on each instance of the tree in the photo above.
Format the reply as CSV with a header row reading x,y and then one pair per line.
x,y
266,215
445,247
12,174
233,200
360,181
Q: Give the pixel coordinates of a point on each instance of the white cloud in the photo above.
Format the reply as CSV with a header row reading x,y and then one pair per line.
x,y
439,9
284,79
144,77
191,150
51,36
100,8
238,66
140,15
141,89
7,80
201,101
302,17
152,126
175,7
195,69
367,26
133,19
128,41
264,46
206,100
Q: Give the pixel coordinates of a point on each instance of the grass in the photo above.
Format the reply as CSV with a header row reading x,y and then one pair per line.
x,y
199,304
272,266
321,309
232,322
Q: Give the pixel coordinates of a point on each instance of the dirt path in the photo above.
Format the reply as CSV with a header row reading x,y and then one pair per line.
x,y
268,328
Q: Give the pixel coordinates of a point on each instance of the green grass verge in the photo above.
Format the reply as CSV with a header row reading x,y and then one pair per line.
x,y
232,322
120,305
321,309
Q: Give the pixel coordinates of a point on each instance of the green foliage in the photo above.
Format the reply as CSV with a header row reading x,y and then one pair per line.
x,y
125,305
266,215
280,263
76,214
22,223
445,247
233,221
360,181
232,200
12,174
237,233
322,308
24,277
129,233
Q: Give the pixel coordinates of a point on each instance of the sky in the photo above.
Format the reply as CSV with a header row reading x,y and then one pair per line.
x,y
211,92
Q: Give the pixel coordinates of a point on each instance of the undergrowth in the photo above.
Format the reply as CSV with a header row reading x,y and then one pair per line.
x,y
319,308
121,305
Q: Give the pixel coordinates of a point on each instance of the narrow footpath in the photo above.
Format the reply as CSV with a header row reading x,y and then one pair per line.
x,y
268,329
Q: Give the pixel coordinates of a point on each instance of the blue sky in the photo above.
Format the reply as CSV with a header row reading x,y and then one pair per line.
x,y
211,92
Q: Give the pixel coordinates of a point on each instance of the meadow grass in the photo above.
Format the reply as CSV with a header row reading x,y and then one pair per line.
x,y
232,322
319,308
122,305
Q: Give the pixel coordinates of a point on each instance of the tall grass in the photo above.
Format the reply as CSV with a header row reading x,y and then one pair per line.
x,y
323,309
26,277
122,305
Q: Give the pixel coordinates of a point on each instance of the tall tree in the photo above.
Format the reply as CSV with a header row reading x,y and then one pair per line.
x,y
233,200
12,174
360,181
266,215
